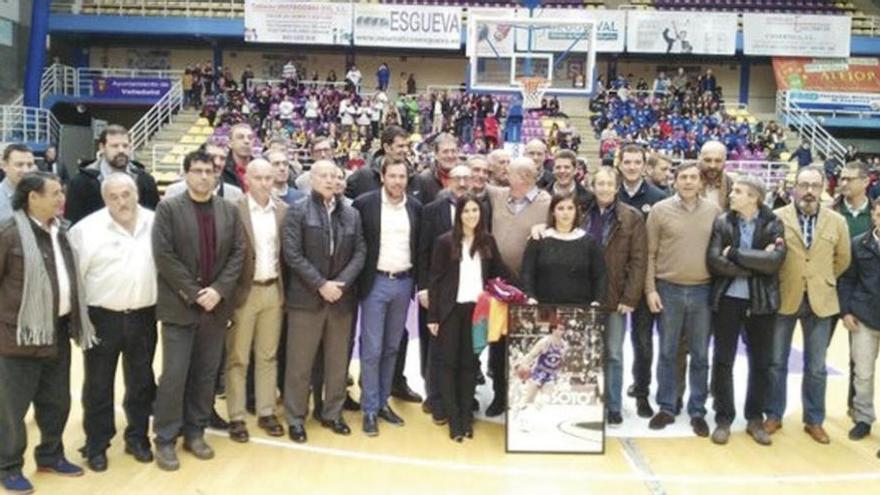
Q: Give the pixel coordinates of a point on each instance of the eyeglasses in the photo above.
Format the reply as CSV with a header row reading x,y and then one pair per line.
x,y
807,186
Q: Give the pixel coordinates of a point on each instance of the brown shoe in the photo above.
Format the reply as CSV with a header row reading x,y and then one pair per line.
x,y
238,432
271,425
772,425
756,430
817,433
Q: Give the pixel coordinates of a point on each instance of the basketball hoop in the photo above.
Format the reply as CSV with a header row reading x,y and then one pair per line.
x,y
532,90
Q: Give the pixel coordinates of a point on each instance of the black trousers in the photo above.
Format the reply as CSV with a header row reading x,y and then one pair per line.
x,y
731,319
453,349
45,382
429,368
642,337
498,368
133,335
185,395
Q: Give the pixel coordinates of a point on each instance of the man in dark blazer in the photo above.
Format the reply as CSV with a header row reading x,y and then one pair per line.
x,y
324,253
198,246
52,165
436,220
390,220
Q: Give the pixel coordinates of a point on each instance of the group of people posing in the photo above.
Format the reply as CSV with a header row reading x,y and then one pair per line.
x,y
235,260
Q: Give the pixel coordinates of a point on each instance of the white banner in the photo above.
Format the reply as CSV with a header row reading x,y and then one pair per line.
x,y
610,30
306,23
796,35
657,31
407,26
832,102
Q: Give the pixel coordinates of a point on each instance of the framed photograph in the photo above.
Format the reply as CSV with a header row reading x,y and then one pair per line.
x,y
555,387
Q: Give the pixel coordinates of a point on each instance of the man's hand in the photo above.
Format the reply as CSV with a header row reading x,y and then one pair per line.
x,y
434,328
423,298
208,298
537,232
331,291
624,309
851,322
655,305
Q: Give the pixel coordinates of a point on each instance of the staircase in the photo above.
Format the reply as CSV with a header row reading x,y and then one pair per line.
x,y
163,153
808,129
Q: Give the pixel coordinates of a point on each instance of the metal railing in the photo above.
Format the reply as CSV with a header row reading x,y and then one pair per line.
x,y
256,81
808,128
19,124
157,116
771,172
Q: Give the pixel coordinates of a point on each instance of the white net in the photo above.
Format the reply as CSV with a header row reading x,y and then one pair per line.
x,y
532,90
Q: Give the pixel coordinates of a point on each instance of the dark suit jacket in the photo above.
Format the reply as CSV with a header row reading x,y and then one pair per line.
x,y
84,190
370,207
56,168
176,251
246,278
306,248
443,285
436,220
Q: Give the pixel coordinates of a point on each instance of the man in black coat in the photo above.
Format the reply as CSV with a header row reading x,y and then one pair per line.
x,y
52,165
114,156
431,181
241,142
395,146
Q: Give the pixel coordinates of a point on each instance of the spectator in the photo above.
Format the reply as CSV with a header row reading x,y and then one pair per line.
x,y
383,76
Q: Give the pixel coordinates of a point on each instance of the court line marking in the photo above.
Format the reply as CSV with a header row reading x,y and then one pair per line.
x,y
569,474
634,455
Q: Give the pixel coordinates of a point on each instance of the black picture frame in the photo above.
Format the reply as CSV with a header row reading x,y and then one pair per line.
x,y
555,381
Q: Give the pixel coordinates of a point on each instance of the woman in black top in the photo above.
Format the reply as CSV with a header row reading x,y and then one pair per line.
x,y
566,265
462,261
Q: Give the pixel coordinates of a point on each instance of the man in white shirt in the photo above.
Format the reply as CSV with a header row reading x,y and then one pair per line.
x,y
353,77
259,298
390,222
115,256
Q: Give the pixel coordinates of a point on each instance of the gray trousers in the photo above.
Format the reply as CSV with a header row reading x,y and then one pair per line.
x,y
185,397
306,331
45,382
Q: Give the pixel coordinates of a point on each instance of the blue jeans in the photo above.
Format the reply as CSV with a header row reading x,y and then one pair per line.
x,y
817,332
686,310
383,321
614,329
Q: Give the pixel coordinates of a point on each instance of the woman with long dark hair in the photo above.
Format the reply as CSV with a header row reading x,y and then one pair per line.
x,y
462,261
566,265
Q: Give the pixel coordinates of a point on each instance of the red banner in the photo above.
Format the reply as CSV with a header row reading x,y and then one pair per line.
x,y
853,75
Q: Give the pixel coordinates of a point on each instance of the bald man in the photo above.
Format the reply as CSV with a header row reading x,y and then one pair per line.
x,y
536,149
259,298
499,160
716,183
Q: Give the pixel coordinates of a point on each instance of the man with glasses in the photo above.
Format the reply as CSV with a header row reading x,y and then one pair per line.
x,y
322,149
223,189
818,251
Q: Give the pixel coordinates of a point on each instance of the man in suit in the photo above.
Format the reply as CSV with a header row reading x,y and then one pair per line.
x,y
324,253
114,156
390,220
818,252
259,298
395,146
432,180
198,246
436,220
52,165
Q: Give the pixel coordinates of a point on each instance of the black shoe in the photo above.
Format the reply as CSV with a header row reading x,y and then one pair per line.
x,y
496,408
350,404
679,405
469,432
660,421
217,422
98,462
631,391
297,433
141,453
371,425
426,407
404,393
614,419
859,431
700,427
643,408
387,414
238,432
476,405
338,426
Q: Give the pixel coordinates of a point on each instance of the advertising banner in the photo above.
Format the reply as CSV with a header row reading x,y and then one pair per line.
x,y
796,35
679,32
610,29
835,103
304,23
856,75
407,26
130,88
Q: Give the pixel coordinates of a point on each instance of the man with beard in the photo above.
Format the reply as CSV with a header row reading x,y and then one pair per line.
x,y
818,252
716,183
660,172
114,156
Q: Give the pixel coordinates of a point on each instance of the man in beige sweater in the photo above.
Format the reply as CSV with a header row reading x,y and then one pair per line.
x,y
678,286
515,210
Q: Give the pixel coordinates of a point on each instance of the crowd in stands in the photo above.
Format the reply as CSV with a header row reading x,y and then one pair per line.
x,y
676,116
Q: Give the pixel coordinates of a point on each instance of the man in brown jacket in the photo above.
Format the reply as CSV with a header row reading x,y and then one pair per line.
x,y
818,253
259,298
40,310
621,231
